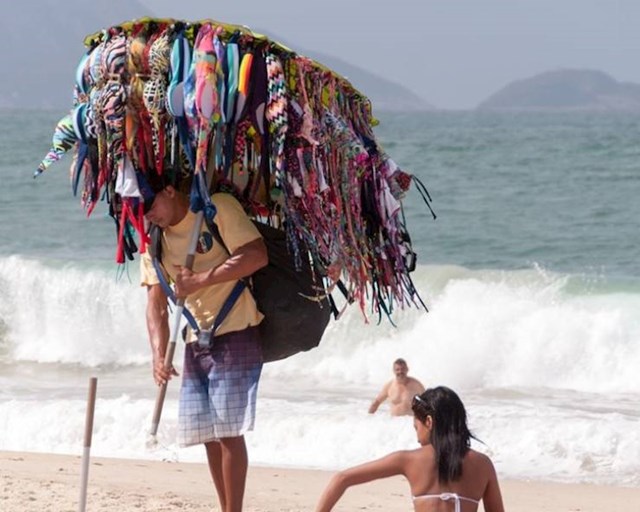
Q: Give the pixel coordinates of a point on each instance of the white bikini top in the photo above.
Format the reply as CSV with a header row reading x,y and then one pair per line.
x,y
446,496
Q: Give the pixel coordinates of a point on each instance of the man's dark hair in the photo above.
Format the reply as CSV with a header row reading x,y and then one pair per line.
x,y
400,361
151,183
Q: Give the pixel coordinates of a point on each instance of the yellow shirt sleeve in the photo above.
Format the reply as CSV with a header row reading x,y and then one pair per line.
x,y
148,275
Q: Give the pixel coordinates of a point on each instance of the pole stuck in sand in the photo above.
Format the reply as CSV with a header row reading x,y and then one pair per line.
x,y
152,439
88,431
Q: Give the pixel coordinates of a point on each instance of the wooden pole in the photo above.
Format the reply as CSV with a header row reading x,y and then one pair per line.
x,y
88,431
152,440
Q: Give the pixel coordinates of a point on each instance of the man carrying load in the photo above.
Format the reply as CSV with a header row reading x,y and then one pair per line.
x,y
220,379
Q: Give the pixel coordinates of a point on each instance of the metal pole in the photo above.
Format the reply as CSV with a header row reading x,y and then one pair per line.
x,y
175,330
88,431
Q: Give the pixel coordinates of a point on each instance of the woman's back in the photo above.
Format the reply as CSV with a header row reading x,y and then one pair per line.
x,y
477,482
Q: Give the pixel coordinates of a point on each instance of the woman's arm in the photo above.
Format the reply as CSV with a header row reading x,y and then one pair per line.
x,y
492,498
392,464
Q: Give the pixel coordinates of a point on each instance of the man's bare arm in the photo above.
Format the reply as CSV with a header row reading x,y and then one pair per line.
x,y
382,396
158,329
242,263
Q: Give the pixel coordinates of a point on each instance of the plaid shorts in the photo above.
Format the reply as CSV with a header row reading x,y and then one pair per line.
x,y
219,388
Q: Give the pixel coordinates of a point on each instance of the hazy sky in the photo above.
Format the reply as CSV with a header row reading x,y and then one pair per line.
x,y
453,53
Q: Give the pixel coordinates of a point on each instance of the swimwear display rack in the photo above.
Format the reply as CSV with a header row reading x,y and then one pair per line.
x,y
209,107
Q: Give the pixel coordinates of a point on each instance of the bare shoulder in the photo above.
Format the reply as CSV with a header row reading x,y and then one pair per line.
x,y
478,456
480,462
418,457
416,385
420,467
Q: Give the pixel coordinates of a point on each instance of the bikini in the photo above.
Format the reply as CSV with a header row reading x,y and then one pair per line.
x,y
446,496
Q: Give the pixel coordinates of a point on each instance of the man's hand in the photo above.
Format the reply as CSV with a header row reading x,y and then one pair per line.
x,y
374,407
187,282
160,374
380,398
243,262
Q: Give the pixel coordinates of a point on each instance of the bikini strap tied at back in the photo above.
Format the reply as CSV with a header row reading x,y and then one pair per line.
x,y
446,496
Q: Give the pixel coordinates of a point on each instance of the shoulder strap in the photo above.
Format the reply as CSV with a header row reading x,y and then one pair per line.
x,y
215,232
155,250
213,228
155,247
237,290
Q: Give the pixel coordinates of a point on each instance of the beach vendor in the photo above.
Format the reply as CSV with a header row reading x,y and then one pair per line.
x,y
249,129
220,380
399,391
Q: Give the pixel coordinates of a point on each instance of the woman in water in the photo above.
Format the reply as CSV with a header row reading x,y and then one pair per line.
x,y
444,473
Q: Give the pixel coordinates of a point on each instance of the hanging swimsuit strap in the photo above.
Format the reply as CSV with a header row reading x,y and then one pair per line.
x,y
446,496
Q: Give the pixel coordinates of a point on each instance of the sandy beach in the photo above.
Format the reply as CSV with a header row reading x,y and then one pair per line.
x,y
31,482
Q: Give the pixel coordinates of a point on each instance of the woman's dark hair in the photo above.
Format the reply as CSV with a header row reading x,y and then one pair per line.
x,y
450,437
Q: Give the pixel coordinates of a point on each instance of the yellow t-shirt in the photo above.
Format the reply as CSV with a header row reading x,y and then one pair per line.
x,y
236,230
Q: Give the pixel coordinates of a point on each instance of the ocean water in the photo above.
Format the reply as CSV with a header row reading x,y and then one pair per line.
x,y
531,274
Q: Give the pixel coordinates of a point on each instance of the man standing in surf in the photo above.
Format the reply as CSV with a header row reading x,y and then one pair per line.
x,y
220,377
399,391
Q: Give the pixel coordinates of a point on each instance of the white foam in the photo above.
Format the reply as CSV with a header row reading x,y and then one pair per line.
x,y
490,329
548,371
71,315
526,439
487,329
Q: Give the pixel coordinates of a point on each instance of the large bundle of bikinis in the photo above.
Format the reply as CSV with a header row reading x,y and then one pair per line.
x,y
212,107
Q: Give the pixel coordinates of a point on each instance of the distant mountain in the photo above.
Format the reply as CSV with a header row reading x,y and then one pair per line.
x,y
42,42
384,94
567,89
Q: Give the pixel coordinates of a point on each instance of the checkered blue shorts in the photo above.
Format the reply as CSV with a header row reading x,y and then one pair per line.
x,y
219,388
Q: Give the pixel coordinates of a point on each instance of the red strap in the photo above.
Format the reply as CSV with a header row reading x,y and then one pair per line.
x,y
123,224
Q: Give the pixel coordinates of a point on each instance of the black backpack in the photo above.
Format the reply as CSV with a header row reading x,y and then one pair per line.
x,y
295,316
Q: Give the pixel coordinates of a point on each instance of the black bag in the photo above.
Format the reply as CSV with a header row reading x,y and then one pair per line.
x,y
295,317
